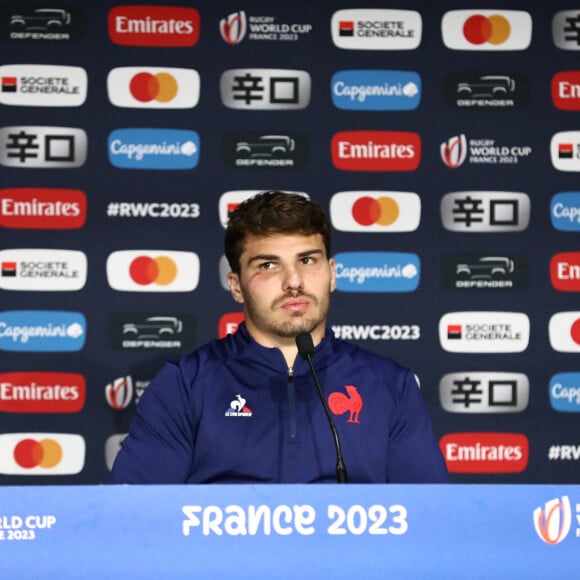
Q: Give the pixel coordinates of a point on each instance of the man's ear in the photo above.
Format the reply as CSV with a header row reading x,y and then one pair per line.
x,y
332,265
235,287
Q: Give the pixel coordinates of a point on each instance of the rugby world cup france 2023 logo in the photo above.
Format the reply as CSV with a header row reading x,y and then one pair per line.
x,y
553,521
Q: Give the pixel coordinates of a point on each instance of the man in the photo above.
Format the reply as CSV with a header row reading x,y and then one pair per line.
x,y
246,409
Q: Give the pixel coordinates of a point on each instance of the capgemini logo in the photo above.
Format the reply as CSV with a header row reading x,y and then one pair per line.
x,y
454,151
233,27
553,522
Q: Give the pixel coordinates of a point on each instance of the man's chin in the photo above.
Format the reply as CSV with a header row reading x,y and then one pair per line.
x,y
293,328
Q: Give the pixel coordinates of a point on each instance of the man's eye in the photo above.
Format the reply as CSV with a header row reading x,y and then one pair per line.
x,y
267,265
308,260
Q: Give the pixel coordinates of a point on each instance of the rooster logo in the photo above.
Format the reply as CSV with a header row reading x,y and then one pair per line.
x,y
352,402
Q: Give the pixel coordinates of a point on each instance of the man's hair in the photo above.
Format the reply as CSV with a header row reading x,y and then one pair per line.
x,y
270,213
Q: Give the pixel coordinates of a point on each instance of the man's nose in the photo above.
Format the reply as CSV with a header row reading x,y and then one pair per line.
x,y
292,278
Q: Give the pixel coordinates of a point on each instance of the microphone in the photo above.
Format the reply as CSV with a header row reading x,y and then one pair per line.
x,y
306,350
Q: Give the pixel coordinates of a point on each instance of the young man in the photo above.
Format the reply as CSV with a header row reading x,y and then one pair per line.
x,y
246,408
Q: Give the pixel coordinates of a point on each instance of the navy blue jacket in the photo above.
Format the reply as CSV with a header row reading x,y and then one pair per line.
x,y
232,411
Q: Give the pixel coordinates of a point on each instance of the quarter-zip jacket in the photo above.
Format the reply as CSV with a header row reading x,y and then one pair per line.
x,y
232,411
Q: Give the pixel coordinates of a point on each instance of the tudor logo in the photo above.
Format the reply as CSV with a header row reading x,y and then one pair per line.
x,y
376,150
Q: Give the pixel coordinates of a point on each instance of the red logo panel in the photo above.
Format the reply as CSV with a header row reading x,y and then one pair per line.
x,y
42,208
566,90
228,323
565,271
376,150
485,452
42,392
154,26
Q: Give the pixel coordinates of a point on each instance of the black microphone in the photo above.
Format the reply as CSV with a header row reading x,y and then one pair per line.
x,y
306,350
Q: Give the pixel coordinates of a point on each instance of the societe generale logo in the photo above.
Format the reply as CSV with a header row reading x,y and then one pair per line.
x,y
375,211
566,90
485,452
564,331
146,25
487,29
40,85
484,331
41,453
42,392
230,200
565,150
153,87
565,271
42,208
43,269
153,271
553,520
376,29
229,322
376,150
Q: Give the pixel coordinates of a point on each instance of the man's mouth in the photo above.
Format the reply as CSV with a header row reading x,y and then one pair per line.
x,y
295,305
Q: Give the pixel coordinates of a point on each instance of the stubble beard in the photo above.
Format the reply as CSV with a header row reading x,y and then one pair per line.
x,y
299,322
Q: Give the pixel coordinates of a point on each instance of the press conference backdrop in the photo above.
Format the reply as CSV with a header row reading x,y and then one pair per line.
x,y
444,143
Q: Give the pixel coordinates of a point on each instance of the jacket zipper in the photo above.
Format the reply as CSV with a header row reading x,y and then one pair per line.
x,y
291,403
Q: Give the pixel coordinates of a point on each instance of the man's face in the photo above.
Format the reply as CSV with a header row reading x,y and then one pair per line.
x,y
285,283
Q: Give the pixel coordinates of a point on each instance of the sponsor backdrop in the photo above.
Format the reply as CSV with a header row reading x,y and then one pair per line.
x,y
444,144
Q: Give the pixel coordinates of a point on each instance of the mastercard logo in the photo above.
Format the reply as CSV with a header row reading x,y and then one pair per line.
x,y
153,271
494,29
375,211
46,453
487,29
383,211
146,87
41,453
139,87
145,270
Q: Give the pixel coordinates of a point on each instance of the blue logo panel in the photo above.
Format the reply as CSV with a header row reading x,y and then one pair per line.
x,y
153,148
376,90
42,331
565,211
377,272
565,392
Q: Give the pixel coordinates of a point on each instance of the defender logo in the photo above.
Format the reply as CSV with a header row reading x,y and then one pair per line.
x,y
485,271
260,150
479,90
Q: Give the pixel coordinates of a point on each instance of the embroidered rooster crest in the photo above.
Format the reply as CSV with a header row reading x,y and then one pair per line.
x,y
352,402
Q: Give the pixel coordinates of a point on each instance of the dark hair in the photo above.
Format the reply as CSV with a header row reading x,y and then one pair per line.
x,y
273,212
